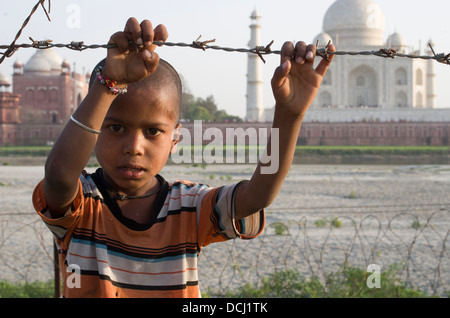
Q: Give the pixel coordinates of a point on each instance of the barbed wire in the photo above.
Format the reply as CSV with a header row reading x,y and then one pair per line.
x,y
12,48
325,52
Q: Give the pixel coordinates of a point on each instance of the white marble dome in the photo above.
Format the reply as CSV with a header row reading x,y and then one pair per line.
x,y
396,42
355,23
44,61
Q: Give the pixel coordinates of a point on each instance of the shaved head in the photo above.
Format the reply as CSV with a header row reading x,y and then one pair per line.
x,y
164,78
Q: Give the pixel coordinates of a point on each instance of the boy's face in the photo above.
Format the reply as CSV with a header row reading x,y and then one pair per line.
x,y
136,138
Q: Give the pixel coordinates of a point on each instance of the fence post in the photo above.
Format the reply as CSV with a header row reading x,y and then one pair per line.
x,y
56,271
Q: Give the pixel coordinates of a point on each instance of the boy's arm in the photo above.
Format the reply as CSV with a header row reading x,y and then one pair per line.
x,y
75,145
295,84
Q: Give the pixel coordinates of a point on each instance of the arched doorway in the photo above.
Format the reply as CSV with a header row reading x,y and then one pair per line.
x,y
363,87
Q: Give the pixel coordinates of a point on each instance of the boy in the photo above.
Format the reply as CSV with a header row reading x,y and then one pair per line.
x,y
124,231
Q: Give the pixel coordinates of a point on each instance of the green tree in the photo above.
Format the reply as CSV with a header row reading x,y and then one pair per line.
x,y
200,113
193,108
221,116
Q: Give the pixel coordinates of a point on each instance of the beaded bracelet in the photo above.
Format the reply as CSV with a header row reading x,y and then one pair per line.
x,y
109,83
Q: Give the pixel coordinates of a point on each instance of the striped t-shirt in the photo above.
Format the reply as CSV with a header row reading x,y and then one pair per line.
x,y
104,254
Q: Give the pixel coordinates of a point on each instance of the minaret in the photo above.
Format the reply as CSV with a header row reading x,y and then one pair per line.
x,y
431,81
255,108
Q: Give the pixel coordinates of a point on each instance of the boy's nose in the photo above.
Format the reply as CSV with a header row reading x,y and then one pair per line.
x,y
134,143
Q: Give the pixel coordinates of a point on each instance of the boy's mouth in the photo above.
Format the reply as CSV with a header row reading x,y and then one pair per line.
x,y
132,171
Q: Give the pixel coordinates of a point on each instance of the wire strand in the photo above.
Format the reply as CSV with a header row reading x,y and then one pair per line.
x,y
259,50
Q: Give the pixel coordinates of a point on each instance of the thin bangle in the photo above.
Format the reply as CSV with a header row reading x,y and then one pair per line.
x,y
84,126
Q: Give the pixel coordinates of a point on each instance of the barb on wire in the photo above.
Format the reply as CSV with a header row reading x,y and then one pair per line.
x,y
442,58
324,53
40,44
388,53
202,45
12,48
263,49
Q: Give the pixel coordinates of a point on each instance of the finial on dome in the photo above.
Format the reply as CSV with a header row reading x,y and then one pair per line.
x,y
255,15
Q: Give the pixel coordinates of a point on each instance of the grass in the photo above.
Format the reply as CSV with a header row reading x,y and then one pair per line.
x,y
372,150
317,150
35,289
349,282
34,151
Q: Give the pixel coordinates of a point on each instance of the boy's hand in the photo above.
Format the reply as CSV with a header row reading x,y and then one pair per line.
x,y
134,58
295,82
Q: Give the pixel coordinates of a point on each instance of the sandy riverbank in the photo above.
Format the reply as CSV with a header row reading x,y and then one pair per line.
x,y
366,199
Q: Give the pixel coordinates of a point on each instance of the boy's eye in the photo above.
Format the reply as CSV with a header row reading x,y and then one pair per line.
x,y
116,128
153,131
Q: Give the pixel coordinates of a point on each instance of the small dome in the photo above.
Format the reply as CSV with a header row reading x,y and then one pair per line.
x,y
323,39
44,61
18,64
65,64
4,80
396,42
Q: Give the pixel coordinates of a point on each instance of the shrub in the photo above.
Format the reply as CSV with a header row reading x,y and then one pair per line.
x,y
279,227
335,222
320,223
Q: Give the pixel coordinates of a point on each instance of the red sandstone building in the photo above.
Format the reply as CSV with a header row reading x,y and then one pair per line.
x,y
393,133
45,92
9,113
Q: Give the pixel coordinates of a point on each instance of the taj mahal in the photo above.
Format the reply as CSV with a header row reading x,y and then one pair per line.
x,y
363,100
359,88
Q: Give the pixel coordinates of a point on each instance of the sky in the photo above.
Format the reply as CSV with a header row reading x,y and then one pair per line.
x,y
216,73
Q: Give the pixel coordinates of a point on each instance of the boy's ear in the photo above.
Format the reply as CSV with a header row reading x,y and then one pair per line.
x,y
176,133
175,138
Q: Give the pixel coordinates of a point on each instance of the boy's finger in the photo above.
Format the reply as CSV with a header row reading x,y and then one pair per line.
x,y
147,33
300,52
280,74
151,60
120,39
161,33
287,52
133,31
310,53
